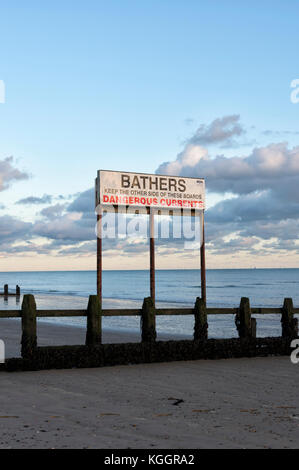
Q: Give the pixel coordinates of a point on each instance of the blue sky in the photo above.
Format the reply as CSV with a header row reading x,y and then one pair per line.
x,y
124,84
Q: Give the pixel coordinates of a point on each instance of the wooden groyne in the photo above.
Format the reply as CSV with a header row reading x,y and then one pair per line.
x,y
95,354
6,292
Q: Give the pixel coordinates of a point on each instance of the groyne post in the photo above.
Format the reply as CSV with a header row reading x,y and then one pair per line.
x,y
200,320
94,321
29,338
148,321
289,324
6,289
246,328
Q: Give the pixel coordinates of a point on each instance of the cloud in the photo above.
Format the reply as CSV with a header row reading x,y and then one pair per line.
x,y
9,173
65,227
258,223
253,207
189,121
263,214
45,199
13,230
274,167
84,202
221,130
78,250
71,223
269,132
52,212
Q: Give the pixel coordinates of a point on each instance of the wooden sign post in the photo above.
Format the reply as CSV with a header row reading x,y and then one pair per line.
x,y
203,262
152,256
99,255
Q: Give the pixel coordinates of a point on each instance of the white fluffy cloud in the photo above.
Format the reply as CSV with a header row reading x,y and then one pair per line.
x,y
221,130
265,184
274,167
9,173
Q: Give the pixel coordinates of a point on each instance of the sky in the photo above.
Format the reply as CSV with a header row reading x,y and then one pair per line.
x,y
192,88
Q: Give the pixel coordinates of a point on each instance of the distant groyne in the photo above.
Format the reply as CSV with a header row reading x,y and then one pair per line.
x,y
6,292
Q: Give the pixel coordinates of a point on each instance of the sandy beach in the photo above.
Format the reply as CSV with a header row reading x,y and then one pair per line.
x,y
234,403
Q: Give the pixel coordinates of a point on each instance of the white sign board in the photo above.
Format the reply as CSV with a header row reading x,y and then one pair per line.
x,y
118,188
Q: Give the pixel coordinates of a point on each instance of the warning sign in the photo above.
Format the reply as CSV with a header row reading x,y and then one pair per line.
x,y
116,188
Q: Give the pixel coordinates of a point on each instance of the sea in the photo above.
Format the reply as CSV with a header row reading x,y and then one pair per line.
x,y
174,288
